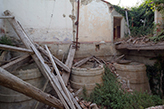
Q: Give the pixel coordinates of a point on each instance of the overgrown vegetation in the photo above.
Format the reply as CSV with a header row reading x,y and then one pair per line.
x,y
111,96
156,76
5,40
158,37
159,4
141,19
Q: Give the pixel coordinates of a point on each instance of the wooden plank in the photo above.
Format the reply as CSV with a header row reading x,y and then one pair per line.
x,y
46,71
12,48
61,64
139,47
60,79
69,62
74,100
6,17
44,88
81,62
121,46
150,47
10,81
97,60
22,35
13,65
70,57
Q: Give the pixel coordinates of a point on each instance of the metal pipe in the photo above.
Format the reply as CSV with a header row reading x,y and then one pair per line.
x,y
77,23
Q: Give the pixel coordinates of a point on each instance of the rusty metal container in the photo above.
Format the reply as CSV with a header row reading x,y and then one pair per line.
x,y
87,77
135,73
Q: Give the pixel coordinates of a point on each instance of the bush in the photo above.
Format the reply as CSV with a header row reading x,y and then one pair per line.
x,y
111,95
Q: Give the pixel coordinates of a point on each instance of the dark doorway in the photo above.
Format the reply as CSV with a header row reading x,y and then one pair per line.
x,y
117,28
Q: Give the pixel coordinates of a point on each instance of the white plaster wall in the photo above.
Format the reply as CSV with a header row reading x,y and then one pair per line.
x,y
95,22
2,26
43,20
159,20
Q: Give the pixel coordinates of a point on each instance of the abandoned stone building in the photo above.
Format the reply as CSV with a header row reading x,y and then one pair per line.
x,y
67,33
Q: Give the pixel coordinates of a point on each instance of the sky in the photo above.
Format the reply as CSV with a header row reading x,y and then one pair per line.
x,y
125,3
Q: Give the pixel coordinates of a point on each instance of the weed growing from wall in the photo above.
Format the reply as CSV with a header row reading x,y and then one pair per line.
x,y
5,40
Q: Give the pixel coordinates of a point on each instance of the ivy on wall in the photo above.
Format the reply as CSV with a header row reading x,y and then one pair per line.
x,y
141,18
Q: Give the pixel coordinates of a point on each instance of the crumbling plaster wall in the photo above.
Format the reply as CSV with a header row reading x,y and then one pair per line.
x,y
159,20
52,22
2,26
43,20
95,22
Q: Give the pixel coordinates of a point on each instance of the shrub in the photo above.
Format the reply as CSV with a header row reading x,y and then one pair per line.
x,y
111,95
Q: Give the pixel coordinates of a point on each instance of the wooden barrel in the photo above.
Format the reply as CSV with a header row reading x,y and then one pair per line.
x,y
87,77
10,99
135,73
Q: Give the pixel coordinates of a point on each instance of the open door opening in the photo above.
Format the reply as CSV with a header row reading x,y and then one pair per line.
x,y
117,28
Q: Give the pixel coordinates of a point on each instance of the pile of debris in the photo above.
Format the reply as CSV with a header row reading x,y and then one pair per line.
x,y
46,62
55,71
156,107
139,43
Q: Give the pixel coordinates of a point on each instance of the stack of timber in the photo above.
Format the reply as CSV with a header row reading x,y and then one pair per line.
x,y
53,76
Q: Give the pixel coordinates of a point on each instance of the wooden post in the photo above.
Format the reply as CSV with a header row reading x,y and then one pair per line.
x,y
13,65
81,62
46,71
12,48
44,88
10,81
60,78
69,62
126,13
66,68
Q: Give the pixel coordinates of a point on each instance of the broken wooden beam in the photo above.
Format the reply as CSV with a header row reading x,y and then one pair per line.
x,y
60,78
22,35
13,65
61,64
10,81
12,48
44,88
97,60
118,58
70,57
44,68
81,62
69,62
6,17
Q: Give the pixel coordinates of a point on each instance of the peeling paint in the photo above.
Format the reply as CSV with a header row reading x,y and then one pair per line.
x,y
95,22
73,18
85,2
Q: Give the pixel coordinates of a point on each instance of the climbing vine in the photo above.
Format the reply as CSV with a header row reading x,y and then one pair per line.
x,y
141,18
